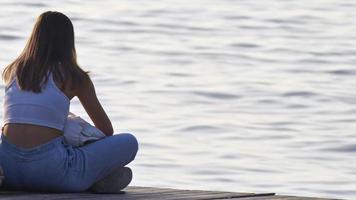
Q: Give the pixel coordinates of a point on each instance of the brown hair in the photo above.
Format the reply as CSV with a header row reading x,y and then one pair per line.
x,y
50,48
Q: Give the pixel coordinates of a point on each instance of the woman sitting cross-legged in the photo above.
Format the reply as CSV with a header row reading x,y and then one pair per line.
x,y
39,85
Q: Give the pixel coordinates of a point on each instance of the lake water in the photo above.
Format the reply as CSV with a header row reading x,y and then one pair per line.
x,y
236,95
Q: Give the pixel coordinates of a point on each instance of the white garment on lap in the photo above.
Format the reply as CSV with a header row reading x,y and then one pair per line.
x,y
78,132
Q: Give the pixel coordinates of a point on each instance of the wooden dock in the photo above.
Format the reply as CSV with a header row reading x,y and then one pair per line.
x,y
150,193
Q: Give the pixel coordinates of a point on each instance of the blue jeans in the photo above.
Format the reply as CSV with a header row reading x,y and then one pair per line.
x,y
59,167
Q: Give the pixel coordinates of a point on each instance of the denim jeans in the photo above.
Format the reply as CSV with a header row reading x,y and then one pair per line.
x,y
59,167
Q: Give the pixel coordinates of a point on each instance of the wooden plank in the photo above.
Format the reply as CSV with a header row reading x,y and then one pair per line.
x,y
167,194
149,193
155,193
281,197
130,193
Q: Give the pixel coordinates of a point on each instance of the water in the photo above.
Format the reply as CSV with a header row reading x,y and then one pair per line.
x,y
236,95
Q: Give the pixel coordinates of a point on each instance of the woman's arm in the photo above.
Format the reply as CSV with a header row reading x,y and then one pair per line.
x,y
87,96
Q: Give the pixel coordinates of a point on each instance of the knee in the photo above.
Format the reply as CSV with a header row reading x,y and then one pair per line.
x,y
132,144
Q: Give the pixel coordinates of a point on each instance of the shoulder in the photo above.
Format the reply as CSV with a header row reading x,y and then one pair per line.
x,y
72,81
85,87
86,82
9,80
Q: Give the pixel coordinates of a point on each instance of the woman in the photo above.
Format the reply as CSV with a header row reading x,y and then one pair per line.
x,y
39,85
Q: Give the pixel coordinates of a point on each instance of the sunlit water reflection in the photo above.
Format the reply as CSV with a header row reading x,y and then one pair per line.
x,y
255,96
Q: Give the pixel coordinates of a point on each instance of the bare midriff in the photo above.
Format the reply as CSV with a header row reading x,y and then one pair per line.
x,y
28,135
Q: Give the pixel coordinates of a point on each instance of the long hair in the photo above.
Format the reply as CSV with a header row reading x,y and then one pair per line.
x,y
50,48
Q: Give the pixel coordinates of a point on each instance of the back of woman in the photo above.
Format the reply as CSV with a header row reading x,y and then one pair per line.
x,y
31,119
38,87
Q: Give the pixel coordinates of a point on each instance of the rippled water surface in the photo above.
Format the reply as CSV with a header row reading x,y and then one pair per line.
x,y
237,95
